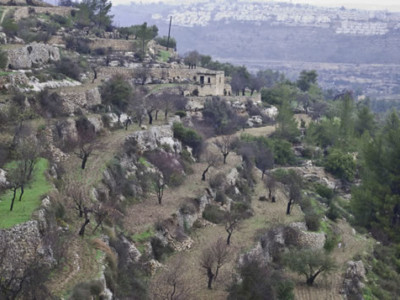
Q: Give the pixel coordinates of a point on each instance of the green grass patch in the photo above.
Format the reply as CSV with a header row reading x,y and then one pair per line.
x,y
31,200
140,239
2,73
143,236
144,162
164,55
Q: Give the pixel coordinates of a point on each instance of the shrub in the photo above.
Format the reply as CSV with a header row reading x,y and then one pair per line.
x,y
80,45
188,208
69,67
163,41
341,164
324,191
333,212
10,28
240,208
160,251
189,137
220,197
217,181
51,103
181,113
213,214
313,219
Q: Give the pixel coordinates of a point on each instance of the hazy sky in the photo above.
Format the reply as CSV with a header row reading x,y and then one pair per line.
x,y
392,5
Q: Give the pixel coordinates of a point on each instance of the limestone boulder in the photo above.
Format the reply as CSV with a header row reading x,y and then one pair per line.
x,y
271,112
354,277
155,137
3,179
20,246
32,55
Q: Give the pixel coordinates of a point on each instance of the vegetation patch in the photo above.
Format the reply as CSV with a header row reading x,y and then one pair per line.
x,y
140,239
32,198
164,55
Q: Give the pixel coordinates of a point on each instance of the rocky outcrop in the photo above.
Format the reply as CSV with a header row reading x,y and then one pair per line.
x,y
276,240
307,239
75,100
21,248
32,55
353,281
155,137
3,179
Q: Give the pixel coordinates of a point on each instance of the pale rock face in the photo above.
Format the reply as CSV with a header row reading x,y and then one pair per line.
x,y
96,121
232,176
271,112
34,54
353,280
3,179
154,138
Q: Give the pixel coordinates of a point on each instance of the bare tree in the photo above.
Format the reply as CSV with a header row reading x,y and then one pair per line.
x,y
152,105
17,178
100,212
231,224
77,193
264,159
211,160
172,284
27,154
86,212
167,166
226,144
143,74
171,101
159,184
86,140
270,184
213,258
294,183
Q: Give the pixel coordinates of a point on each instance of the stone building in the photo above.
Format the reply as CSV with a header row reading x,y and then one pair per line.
x,y
209,83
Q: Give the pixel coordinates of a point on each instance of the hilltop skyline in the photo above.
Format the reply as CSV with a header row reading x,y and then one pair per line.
x,y
390,5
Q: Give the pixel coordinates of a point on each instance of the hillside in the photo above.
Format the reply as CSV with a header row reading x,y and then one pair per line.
x,y
270,35
129,172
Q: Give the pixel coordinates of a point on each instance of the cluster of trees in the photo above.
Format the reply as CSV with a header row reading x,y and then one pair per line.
x,y
94,14
119,96
376,202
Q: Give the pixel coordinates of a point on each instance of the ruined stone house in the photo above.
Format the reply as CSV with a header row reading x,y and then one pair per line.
x,y
209,83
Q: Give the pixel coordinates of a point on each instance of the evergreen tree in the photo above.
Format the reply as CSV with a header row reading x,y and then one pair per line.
x,y
376,203
287,125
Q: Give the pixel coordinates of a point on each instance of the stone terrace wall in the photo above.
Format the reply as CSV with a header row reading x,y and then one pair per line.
x,y
108,72
22,12
23,3
115,44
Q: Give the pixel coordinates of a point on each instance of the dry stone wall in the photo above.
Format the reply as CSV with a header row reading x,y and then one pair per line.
x,y
84,100
23,12
32,55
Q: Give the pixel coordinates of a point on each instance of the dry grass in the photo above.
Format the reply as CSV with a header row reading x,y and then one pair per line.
x,y
266,215
328,287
